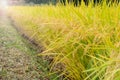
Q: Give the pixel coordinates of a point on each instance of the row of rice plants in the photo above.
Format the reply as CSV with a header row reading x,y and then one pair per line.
x,y
85,40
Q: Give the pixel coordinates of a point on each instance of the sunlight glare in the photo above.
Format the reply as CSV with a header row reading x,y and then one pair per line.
x,y
3,4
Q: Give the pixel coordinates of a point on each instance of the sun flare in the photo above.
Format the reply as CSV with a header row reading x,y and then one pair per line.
x,y
3,4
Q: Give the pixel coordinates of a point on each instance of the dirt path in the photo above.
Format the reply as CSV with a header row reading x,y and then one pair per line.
x,y
16,61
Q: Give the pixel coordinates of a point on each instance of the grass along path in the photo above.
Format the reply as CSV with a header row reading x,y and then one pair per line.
x,y
16,59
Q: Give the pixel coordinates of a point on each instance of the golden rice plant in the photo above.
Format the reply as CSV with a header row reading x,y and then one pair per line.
x,y
84,40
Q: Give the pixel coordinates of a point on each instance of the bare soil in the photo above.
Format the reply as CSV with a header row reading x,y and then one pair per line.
x,y
17,60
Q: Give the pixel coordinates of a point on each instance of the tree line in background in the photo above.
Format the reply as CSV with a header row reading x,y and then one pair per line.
x,y
64,2
75,2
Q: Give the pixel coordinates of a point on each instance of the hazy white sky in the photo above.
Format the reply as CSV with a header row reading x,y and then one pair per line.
x,y
3,3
